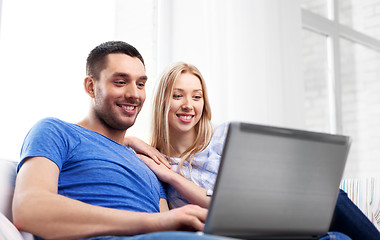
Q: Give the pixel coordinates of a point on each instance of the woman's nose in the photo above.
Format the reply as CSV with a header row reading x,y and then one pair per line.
x,y
187,104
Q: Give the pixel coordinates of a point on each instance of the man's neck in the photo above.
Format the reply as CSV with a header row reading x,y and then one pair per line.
x,y
96,126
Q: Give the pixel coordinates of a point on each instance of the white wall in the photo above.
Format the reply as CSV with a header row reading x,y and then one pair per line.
x,y
1,3
43,49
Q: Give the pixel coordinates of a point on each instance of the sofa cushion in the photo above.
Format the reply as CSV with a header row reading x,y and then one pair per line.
x,y
7,230
7,184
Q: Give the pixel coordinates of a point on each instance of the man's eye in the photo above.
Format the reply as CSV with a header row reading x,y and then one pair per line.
x,y
141,84
119,82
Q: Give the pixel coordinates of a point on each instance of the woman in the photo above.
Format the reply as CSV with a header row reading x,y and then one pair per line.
x,y
183,132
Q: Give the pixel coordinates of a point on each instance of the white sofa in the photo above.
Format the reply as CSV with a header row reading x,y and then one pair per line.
x,y
364,192
7,182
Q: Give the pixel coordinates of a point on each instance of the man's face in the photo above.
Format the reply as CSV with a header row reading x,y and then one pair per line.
x,y
120,91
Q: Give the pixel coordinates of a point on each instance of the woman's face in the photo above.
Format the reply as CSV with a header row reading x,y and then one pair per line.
x,y
186,104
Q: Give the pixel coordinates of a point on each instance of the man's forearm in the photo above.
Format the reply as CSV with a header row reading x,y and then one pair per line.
x,y
53,216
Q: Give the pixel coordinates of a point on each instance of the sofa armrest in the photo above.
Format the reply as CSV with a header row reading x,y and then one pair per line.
x,y
7,183
365,193
8,231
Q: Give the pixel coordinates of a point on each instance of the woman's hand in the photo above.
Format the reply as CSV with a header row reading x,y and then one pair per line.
x,y
142,147
189,190
162,172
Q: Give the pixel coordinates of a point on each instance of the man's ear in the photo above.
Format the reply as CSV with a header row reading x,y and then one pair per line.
x,y
89,86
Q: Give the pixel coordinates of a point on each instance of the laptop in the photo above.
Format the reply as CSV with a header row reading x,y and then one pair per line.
x,y
276,183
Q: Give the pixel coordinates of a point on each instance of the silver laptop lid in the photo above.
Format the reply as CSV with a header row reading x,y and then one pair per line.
x,y
276,183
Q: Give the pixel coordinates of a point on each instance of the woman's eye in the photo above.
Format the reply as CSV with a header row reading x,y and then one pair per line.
x,y
176,96
197,97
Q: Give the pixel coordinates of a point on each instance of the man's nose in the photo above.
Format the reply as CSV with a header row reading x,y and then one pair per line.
x,y
132,91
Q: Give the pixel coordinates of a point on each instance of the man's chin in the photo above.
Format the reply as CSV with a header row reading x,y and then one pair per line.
x,y
121,124
125,125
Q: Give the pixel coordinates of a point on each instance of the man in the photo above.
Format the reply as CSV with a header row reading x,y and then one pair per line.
x,y
79,180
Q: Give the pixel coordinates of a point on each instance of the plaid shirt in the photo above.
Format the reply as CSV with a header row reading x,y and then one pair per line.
x,y
204,168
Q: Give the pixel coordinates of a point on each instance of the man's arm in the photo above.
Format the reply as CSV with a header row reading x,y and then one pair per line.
x,y
39,209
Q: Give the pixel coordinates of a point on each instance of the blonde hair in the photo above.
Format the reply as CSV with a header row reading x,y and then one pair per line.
x,y
161,105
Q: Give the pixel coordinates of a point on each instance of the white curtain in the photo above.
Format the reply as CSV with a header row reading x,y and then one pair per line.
x,y
248,51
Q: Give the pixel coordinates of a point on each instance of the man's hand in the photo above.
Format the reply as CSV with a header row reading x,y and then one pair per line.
x,y
186,218
142,147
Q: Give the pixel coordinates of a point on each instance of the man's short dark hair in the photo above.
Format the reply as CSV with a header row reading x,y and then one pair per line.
x,y
96,60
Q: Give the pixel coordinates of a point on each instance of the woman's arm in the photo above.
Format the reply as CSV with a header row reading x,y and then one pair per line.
x,y
189,190
142,147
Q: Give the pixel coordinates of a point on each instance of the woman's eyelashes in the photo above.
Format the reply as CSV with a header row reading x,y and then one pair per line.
x,y
195,97
177,96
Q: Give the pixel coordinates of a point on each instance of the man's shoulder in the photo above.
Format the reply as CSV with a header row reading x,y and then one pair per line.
x,y
53,126
51,120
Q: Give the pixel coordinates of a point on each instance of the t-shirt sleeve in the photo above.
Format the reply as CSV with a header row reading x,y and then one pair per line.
x,y
163,188
45,139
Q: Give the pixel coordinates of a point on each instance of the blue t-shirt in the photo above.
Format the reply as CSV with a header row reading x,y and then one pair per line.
x,y
93,168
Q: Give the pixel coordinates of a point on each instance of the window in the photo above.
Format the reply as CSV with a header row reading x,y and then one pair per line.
x,y
316,6
363,16
360,103
341,59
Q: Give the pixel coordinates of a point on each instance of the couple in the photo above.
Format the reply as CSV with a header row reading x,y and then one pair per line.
x,y
80,180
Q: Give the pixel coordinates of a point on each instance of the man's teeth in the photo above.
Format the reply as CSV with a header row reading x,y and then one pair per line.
x,y
185,117
129,108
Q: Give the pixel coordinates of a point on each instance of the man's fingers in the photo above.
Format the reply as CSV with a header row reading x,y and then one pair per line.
x,y
195,224
196,217
200,212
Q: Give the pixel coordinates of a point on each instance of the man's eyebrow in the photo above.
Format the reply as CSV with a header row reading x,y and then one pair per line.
x,y
126,75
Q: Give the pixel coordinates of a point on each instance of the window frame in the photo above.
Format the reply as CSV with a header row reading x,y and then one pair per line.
x,y
331,28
